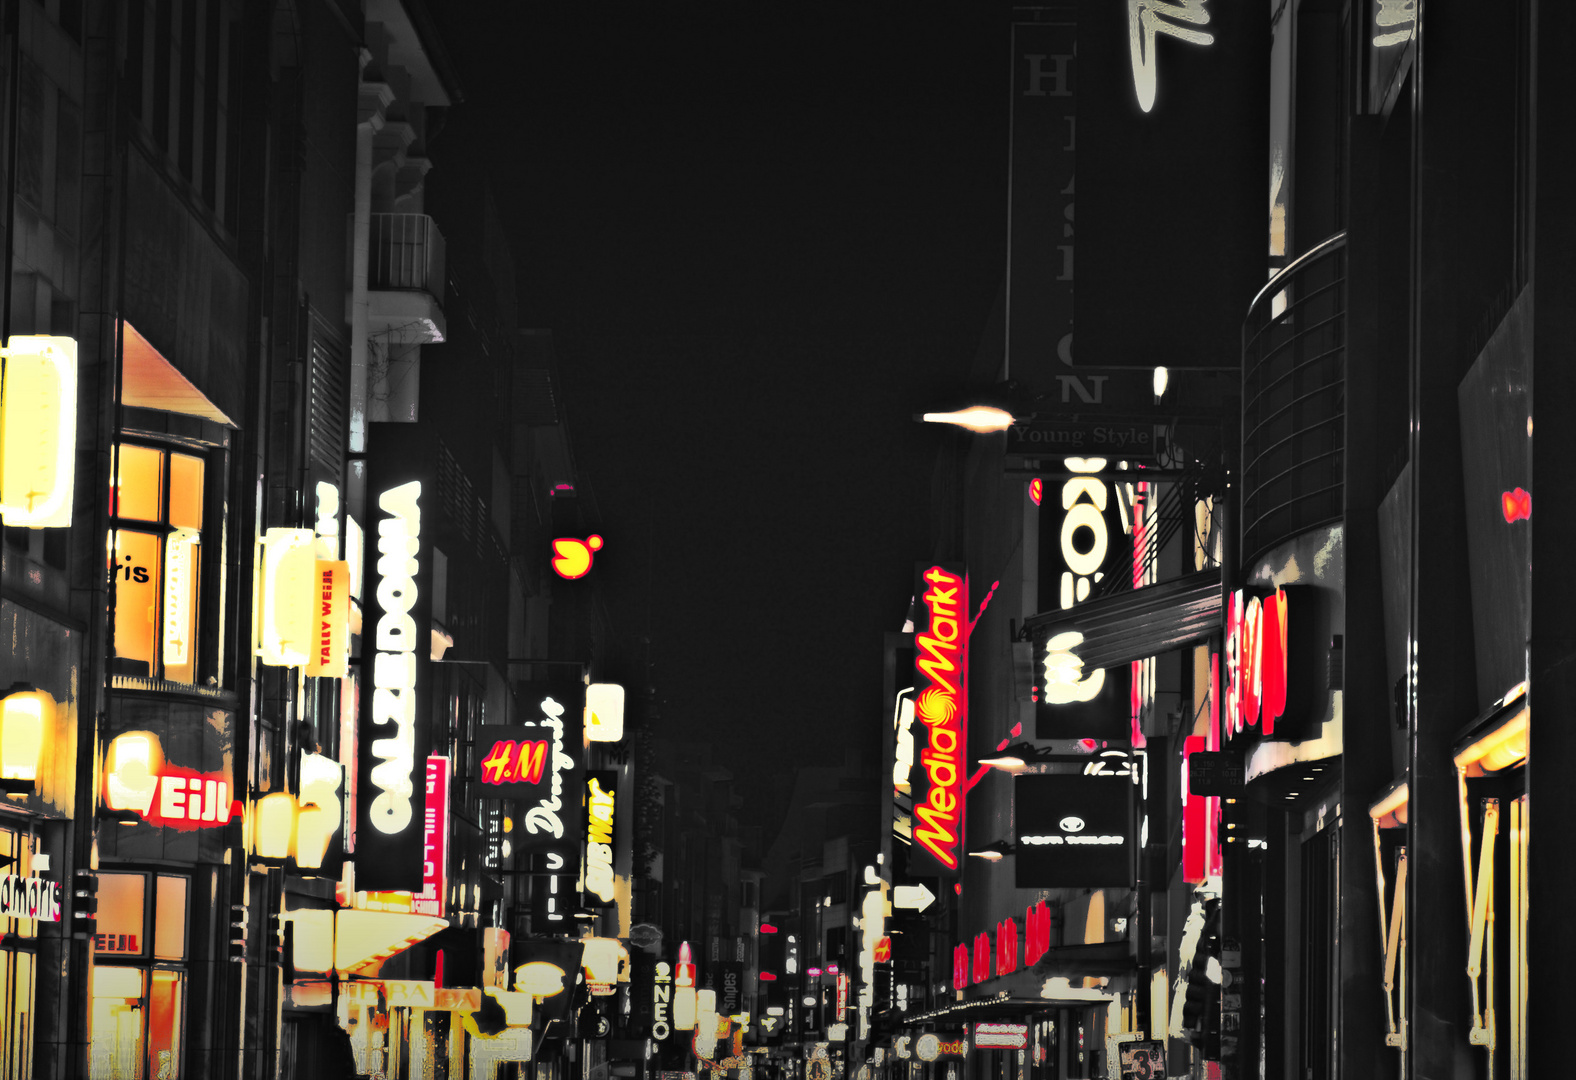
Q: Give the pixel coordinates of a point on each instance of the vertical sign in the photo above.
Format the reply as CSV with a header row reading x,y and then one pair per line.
x,y
435,832
396,650
1173,121
1082,538
1040,211
601,815
941,664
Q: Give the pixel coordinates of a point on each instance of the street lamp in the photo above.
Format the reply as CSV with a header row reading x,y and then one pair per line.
x,y
995,852
983,419
985,411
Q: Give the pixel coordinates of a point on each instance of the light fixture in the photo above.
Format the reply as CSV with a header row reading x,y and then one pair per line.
x,y
604,712
1162,380
994,852
24,714
274,826
38,431
981,419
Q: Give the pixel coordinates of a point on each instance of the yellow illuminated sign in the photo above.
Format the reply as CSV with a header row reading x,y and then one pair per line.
x,y
38,431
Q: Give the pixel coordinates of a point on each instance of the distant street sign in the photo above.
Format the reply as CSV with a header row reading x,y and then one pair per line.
x,y
912,896
1215,772
645,936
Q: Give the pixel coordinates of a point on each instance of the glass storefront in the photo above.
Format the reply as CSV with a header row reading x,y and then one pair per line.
x,y
18,966
139,975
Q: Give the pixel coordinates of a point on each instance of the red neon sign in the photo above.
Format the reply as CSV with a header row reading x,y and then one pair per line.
x,y
960,967
514,762
1516,505
982,957
941,661
1006,947
1036,933
434,840
1256,660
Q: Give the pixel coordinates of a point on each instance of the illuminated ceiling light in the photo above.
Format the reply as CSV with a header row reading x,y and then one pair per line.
x,y
24,715
38,432
1500,748
1162,379
982,419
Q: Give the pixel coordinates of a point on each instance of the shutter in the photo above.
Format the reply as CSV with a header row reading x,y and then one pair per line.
x,y
327,391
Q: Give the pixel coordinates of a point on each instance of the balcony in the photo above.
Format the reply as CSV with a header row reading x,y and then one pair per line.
x,y
1294,400
406,260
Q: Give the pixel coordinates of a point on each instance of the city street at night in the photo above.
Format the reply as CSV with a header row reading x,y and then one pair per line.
x,y
568,541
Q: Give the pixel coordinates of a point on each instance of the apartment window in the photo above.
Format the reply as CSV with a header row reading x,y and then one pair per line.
x,y
837,887
139,977
156,507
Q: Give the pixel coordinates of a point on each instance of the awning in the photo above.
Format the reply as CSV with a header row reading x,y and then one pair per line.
x,y
1389,811
149,381
1498,739
355,939
1138,623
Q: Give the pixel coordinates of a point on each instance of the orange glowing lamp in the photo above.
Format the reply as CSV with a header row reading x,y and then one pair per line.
x,y
24,715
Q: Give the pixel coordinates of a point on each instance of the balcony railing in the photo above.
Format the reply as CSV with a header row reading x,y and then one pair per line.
x,y
1294,400
406,252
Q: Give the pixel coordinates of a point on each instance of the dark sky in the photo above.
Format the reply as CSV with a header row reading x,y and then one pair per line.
x,y
763,235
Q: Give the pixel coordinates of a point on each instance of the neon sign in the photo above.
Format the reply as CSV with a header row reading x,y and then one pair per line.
x,y
395,662
38,431
661,1001
1145,20
941,660
1516,505
29,898
138,780
599,834
1256,660
572,558
1036,933
434,839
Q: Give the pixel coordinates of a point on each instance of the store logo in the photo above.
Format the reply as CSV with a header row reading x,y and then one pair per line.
x,y
29,898
543,817
572,558
1072,824
398,653
138,780
599,840
510,762
943,708
662,1002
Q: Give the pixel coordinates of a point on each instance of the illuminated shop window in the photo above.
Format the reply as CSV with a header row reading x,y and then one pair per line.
x,y
139,976
157,505
18,968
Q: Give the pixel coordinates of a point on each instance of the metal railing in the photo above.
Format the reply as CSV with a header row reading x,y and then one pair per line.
x,y
406,251
1294,400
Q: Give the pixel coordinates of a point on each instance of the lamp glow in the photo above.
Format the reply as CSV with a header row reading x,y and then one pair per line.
x,y
983,419
38,432
1162,379
320,812
274,826
23,716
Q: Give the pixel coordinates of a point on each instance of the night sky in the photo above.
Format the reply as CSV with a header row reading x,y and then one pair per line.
x,y
763,236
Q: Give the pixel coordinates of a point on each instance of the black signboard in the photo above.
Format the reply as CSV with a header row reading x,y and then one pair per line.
x,y
729,977
393,731
1073,830
1215,772
1173,144
539,766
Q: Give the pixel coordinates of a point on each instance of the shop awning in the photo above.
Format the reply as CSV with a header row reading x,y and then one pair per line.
x,y
1498,739
149,381
1389,810
1138,623
355,939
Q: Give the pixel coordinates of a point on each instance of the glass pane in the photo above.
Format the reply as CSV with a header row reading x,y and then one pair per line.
x,y
165,998
181,571
122,900
117,1022
136,571
169,918
139,484
186,491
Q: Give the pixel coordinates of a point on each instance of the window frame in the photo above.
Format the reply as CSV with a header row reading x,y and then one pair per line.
x,y
147,962
206,603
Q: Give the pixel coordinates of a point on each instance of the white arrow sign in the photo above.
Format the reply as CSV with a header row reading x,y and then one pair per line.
x,y
912,896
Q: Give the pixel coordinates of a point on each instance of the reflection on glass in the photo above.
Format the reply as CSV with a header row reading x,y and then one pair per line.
x,y
116,1035
139,484
165,998
169,929
186,491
